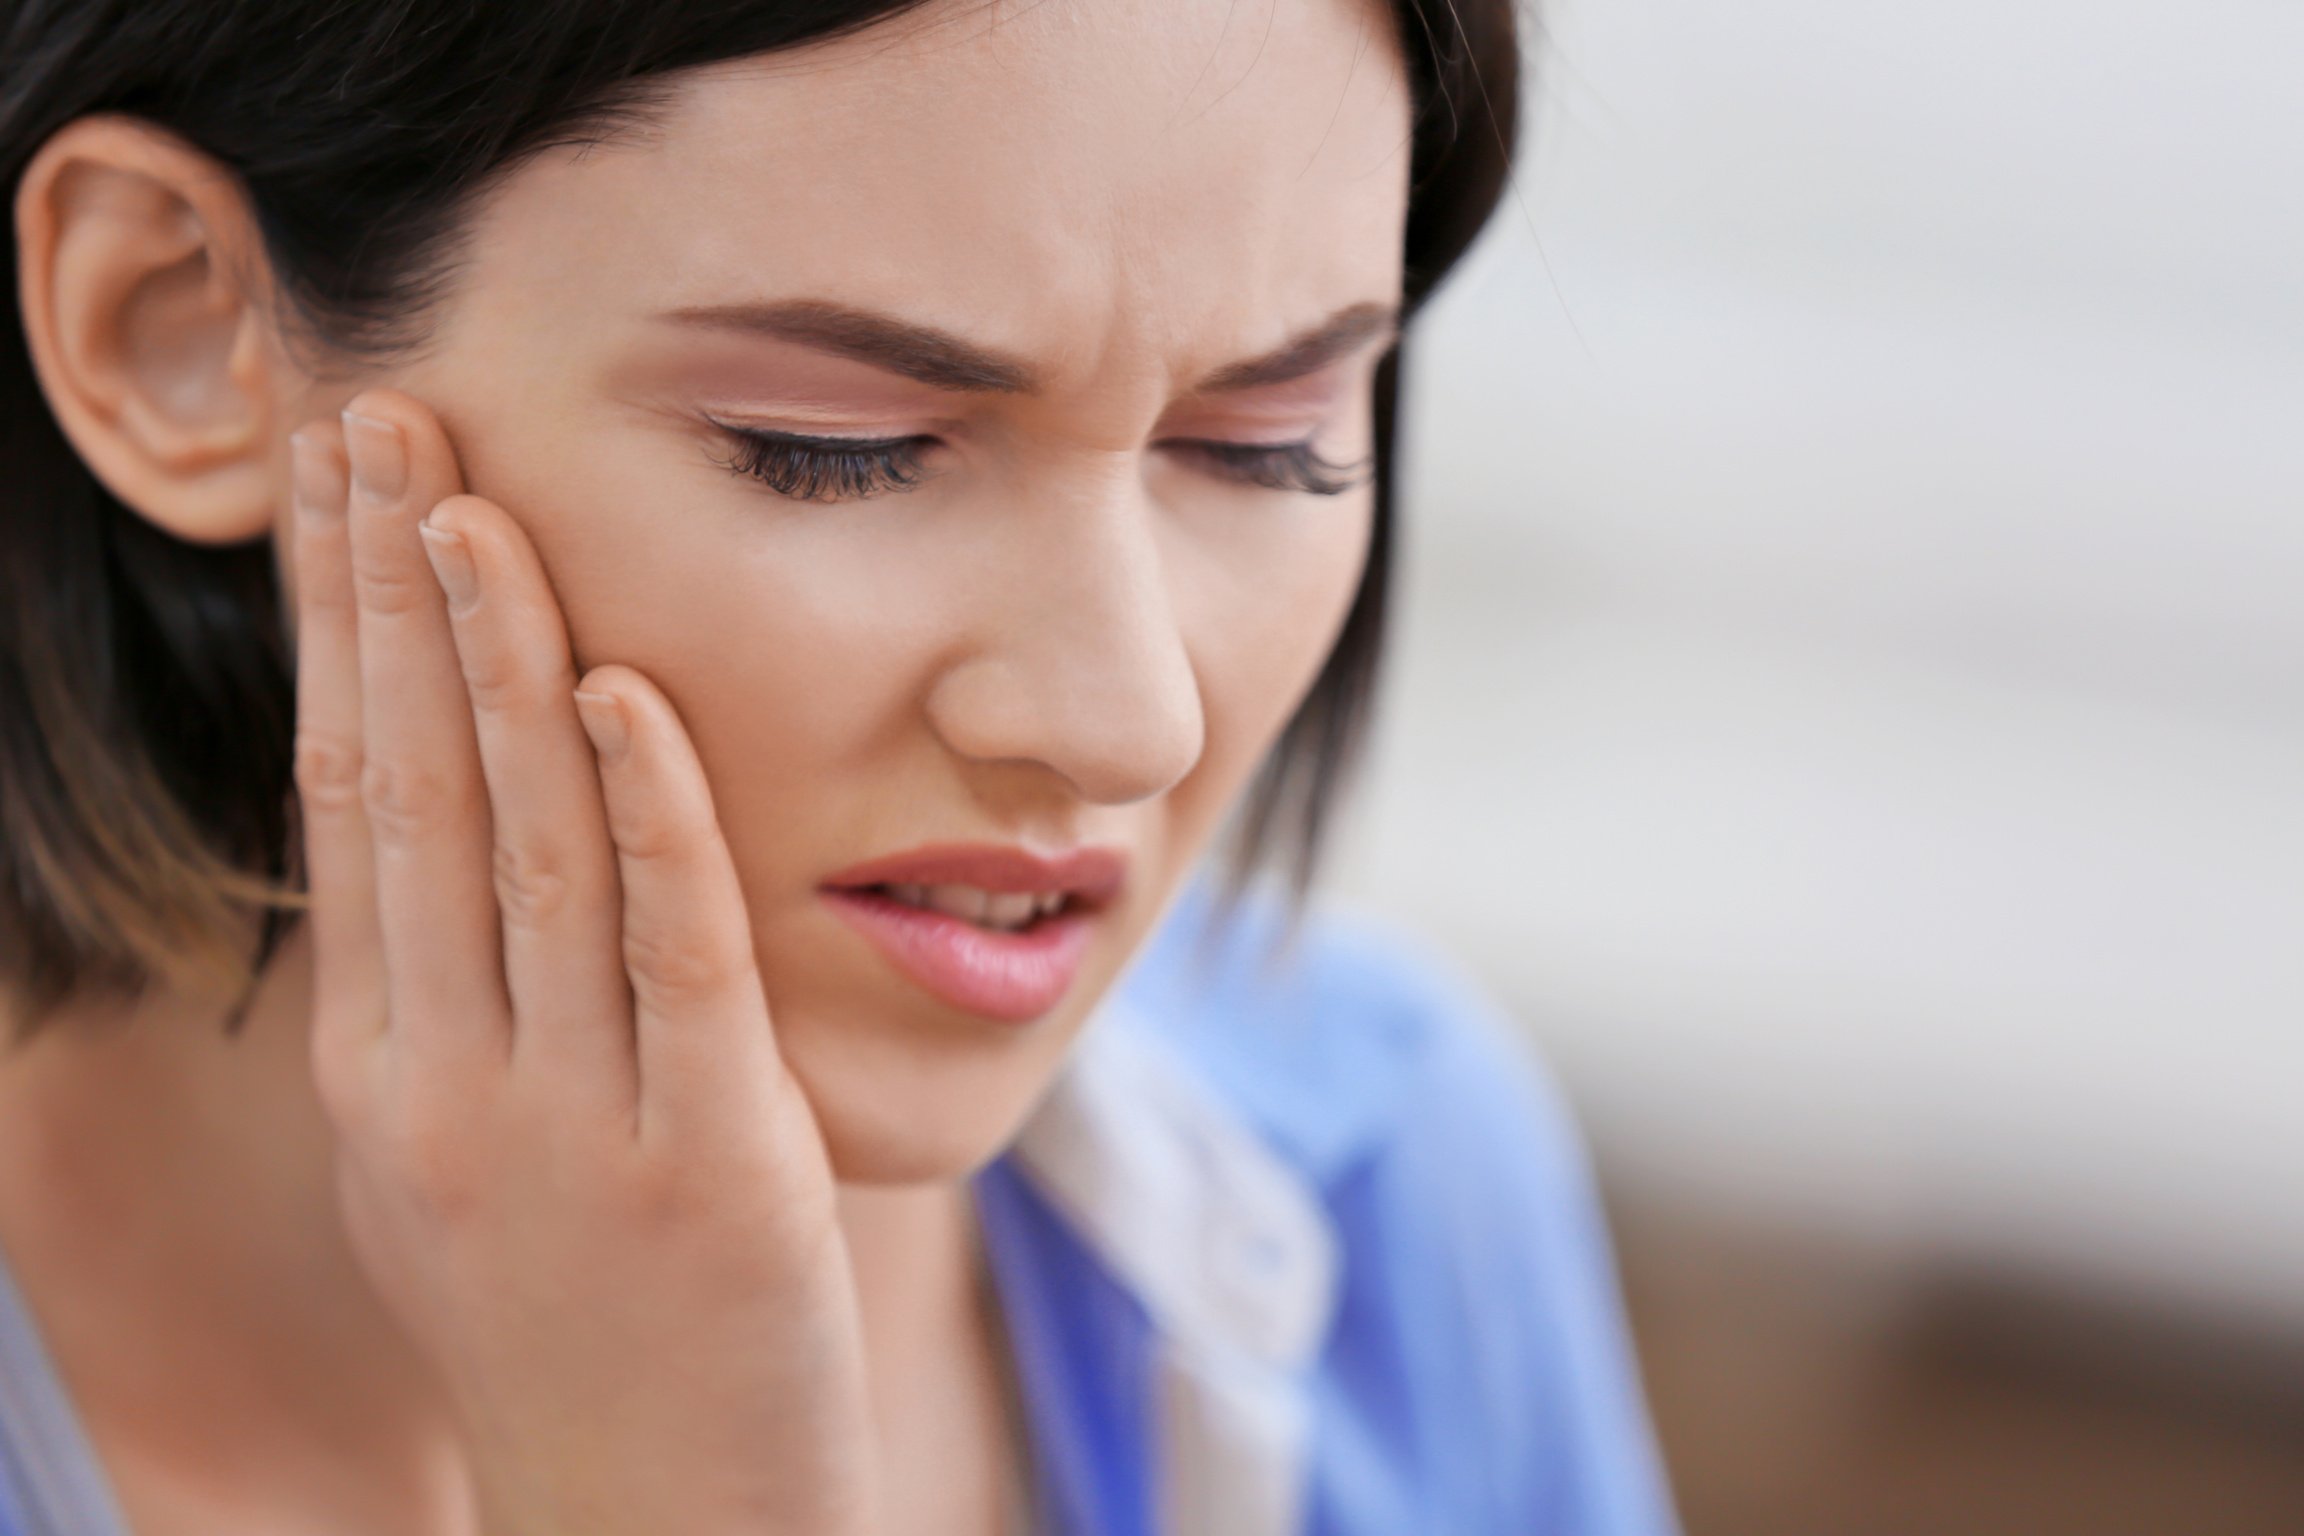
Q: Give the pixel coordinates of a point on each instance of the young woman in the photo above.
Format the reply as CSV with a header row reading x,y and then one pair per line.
x,y
622,626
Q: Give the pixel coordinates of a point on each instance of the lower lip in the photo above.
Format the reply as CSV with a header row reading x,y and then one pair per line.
x,y
1013,977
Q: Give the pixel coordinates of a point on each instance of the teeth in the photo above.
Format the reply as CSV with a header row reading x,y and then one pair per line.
x,y
962,901
1011,909
1008,910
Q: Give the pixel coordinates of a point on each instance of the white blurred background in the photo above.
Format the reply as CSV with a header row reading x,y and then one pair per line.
x,y
1848,693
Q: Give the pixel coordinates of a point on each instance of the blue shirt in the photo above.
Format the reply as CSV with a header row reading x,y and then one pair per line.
x,y
1306,1249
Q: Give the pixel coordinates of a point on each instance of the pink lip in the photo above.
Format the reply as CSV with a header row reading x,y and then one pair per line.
x,y
1092,874
1014,977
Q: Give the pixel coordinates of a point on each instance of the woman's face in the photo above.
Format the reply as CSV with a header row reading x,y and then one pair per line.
x,y
1077,625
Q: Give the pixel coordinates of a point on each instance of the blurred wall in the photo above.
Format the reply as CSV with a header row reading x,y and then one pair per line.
x,y
1849,688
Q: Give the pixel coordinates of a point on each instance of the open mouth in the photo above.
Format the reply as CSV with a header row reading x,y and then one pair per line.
x,y
1013,962
1005,912
997,929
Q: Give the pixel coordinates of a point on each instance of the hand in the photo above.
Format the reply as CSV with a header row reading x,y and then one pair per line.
x,y
571,1158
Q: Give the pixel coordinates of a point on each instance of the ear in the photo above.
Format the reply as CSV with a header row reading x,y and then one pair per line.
x,y
136,257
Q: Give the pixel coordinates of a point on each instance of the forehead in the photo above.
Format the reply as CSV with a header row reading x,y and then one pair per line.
x,y
1063,177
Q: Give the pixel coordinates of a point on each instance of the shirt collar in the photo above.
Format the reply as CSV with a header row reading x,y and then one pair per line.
x,y
1223,1241
1229,1250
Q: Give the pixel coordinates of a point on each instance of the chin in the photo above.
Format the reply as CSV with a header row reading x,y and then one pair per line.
x,y
911,1107
936,1148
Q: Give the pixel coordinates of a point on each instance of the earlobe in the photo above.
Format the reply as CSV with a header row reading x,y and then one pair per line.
x,y
135,251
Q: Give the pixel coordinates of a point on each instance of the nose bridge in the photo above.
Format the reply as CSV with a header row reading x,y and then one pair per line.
x,y
1082,663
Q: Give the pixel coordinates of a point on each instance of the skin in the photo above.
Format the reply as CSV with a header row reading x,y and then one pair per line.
x,y
574,1114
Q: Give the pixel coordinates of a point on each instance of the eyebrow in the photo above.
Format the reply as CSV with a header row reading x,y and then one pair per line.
x,y
944,361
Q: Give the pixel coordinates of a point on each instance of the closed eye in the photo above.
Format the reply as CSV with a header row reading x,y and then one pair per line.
x,y
1287,466
806,467
809,468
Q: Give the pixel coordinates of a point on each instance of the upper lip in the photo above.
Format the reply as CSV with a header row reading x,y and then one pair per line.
x,y
1092,875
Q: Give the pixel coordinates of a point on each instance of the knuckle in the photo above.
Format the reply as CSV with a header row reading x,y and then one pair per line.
x,y
652,833
657,1196
328,771
501,681
496,682
644,841
393,590
403,799
433,1161
676,966
532,888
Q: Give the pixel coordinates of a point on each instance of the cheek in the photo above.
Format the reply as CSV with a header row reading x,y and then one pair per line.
x,y
795,647
787,638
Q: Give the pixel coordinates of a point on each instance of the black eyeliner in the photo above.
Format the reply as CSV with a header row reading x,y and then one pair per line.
x,y
809,467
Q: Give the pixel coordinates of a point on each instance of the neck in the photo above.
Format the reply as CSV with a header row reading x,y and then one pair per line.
x,y
167,1203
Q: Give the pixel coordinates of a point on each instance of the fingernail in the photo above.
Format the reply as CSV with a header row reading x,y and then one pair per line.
x,y
452,563
603,717
312,479
379,458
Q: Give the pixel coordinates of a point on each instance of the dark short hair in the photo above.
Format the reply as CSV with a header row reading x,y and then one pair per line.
x,y
147,808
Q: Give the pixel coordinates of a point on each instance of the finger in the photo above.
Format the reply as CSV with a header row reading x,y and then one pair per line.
x,y
555,869
340,874
700,1017
427,806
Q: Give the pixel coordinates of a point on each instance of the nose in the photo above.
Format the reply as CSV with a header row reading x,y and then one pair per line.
x,y
1082,665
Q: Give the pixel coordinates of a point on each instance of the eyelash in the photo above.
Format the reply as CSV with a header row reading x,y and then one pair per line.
x,y
826,468
806,468
1289,467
